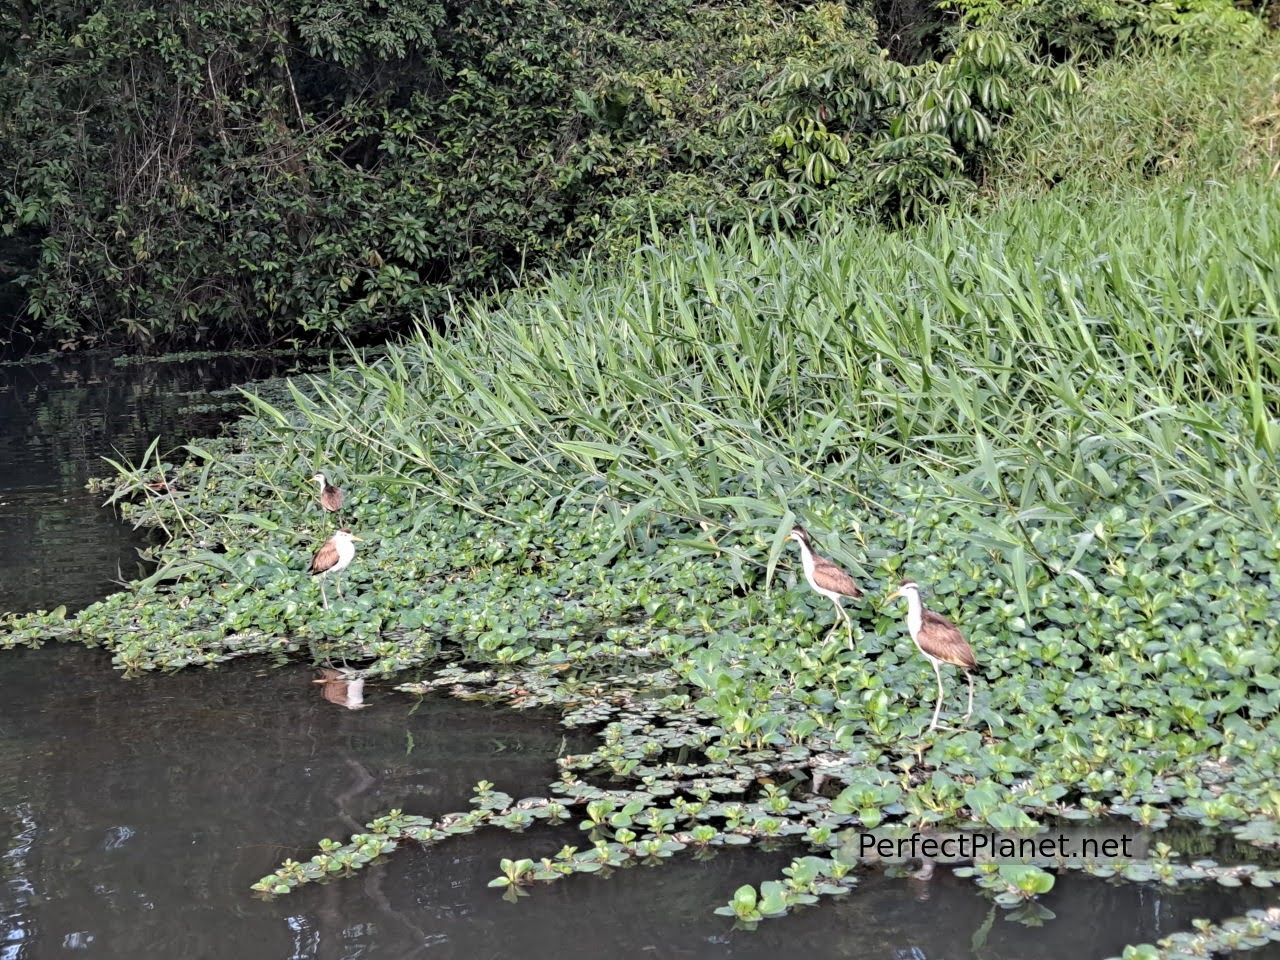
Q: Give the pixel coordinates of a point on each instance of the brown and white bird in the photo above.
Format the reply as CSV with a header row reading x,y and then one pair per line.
x,y
331,497
939,640
334,556
825,577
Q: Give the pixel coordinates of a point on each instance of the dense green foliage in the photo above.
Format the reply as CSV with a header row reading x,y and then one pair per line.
x,y
1059,418
261,169
1177,114
198,173
1058,412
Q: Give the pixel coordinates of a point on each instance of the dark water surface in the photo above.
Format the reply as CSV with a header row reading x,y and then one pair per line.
x,y
57,420
134,815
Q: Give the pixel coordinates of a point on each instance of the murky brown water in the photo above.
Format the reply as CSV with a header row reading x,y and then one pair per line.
x,y
134,815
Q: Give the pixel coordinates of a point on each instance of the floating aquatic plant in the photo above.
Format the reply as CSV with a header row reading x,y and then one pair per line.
x,y
1257,928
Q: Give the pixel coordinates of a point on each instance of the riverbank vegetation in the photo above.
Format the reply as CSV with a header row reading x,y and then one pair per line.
x,y
277,171
1058,418
1005,322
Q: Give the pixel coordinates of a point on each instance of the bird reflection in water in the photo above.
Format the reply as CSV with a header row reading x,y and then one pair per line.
x,y
340,687
918,880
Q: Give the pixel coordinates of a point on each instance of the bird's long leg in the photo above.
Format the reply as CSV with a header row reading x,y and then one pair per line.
x,y
839,616
338,582
323,597
848,623
937,707
969,712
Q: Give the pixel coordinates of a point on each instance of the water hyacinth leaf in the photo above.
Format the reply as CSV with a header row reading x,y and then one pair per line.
x,y
983,797
773,900
1028,880
1007,818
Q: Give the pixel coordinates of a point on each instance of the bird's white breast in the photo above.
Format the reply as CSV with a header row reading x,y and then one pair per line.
x,y
346,553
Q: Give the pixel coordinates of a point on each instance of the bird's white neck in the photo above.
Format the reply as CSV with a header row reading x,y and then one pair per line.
x,y
915,612
355,694
806,560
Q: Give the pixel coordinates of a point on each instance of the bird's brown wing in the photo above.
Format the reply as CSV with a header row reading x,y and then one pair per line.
x,y
325,557
332,499
830,577
941,638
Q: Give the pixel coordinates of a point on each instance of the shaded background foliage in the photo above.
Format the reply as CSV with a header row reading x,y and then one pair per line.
x,y
196,173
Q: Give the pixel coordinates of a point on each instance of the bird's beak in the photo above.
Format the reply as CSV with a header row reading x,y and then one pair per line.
x,y
893,596
359,539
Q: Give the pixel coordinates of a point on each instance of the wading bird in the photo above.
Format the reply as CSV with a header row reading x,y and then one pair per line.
x,y
826,578
331,497
334,556
939,640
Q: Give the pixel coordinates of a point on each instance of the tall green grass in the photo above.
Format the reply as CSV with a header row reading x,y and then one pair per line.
x,y
1042,363
1166,113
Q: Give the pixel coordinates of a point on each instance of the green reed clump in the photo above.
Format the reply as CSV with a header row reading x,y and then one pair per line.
x,y
1173,114
1044,360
